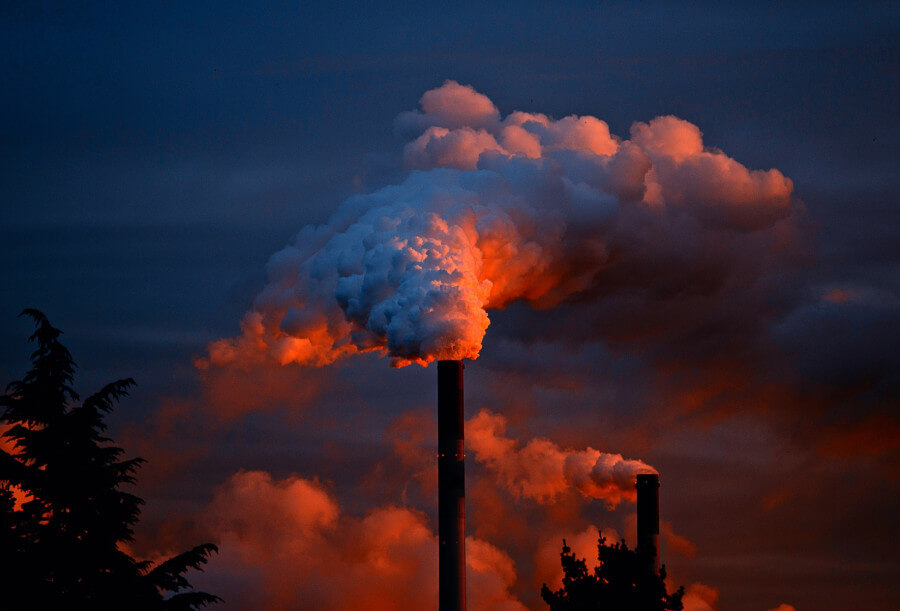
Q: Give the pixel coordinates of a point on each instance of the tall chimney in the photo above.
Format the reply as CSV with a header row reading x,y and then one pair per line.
x,y
648,520
451,488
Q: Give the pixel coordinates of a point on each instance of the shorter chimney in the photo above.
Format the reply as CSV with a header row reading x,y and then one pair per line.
x,y
648,520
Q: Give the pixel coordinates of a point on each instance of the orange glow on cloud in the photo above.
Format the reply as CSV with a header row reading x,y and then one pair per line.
x,y
877,435
839,295
584,545
700,597
542,471
286,544
524,207
676,543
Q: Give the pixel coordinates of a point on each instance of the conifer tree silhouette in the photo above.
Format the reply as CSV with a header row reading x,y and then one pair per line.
x,y
621,582
63,514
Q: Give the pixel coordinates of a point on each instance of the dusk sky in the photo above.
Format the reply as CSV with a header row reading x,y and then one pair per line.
x,y
660,235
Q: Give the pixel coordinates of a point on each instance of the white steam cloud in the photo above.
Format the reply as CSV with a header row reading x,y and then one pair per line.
x,y
496,210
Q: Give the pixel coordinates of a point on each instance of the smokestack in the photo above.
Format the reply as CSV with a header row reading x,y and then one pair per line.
x,y
648,520
451,488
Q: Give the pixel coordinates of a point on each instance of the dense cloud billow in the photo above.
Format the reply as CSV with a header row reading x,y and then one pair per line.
x,y
498,210
287,544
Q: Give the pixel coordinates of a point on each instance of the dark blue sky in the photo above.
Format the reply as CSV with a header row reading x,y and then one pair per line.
x,y
156,154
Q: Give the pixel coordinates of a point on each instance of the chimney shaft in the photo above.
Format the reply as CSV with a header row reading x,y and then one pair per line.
x,y
648,520
451,488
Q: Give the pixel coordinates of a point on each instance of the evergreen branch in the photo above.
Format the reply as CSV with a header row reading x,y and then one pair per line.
x,y
188,601
169,574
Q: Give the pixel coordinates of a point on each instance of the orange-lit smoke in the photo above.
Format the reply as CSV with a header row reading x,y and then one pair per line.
x,y
700,597
542,471
548,569
286,544
524,207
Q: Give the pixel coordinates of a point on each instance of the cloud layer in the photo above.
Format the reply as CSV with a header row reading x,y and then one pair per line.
x,y
287,544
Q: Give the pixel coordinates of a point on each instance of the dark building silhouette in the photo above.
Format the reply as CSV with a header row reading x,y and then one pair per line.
x,y
451,488
648,520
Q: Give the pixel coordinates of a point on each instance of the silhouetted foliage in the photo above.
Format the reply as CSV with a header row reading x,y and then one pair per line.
x,y
621,582
62,509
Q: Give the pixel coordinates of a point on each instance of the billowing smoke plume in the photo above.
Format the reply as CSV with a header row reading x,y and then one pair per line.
x,y
496,210
541,470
